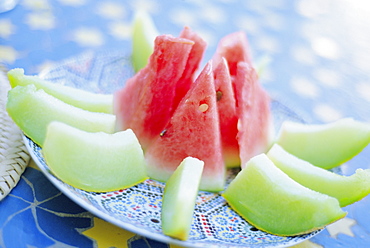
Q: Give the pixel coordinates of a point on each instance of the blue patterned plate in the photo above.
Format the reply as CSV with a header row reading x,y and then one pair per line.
x,y
138,209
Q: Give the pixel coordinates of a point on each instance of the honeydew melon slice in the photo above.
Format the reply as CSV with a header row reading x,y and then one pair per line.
x,y
143,36
347,189
325,145
97,162
179,198
76,97
32,110
273,202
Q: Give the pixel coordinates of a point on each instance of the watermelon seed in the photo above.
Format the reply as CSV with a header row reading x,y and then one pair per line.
x,y
203,107
219,95
154,220
163,133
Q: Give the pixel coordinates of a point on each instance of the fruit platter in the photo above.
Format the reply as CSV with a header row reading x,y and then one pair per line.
x,y
138,209
187,153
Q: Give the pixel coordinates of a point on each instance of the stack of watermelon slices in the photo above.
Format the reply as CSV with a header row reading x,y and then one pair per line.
x,y
221,116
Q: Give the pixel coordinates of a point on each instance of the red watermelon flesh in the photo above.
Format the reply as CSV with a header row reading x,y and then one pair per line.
x,y
145,103
234,48
255,120
192,65
227,114
192,131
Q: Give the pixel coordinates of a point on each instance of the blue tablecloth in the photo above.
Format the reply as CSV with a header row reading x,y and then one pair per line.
x,y
320,63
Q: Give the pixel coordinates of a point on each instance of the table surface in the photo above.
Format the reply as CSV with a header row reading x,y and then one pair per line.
x,y
320,59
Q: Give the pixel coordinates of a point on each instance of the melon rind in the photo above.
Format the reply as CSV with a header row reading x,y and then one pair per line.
x,y
325,145
97,162
273,202
179,198
32,110
347,189
79,98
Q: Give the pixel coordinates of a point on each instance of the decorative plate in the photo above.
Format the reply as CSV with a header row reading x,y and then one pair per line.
x,y
138,208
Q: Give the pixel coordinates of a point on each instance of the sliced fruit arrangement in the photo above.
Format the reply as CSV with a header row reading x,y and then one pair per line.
x,y
273,202
347,189
176,114
32,110
76,97
98,162
179,197
185,129
325,145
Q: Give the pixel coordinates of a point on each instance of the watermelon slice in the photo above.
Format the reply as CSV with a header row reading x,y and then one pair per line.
x,y
227,114
192,65
234,48
255,120
145,103
192,131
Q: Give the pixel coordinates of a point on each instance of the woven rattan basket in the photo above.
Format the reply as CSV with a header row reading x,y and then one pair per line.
x,y
14,157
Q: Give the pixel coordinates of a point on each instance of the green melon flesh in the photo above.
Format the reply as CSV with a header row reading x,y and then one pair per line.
x,y
98,162
76,97
179,198
32,110
325,145
271,201
143,35
347,189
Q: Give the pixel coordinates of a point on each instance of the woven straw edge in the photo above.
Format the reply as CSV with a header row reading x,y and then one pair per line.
x,y
14,156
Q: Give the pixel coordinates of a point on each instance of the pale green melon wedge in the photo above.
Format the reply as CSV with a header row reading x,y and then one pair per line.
x,y
76,97
325,145
347,189
179,198
97,162
273,202
32,110
143,34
